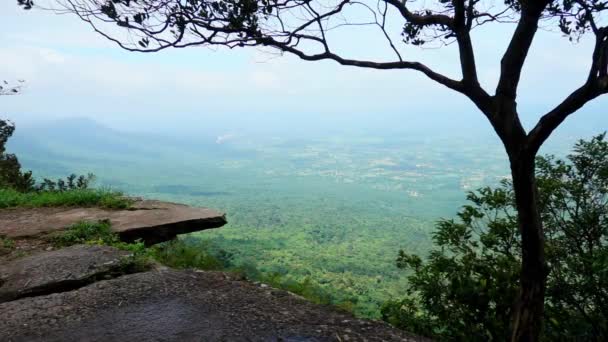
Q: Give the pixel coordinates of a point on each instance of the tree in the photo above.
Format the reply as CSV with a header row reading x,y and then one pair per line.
x,y
303,28
11,175
465,288
10,168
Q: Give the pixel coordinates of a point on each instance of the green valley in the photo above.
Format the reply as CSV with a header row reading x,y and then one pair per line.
x,y
322,216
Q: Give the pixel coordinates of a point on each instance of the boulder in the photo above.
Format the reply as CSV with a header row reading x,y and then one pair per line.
x,y
61,270
172,305
150,221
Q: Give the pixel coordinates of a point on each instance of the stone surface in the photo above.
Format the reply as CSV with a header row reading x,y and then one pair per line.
x,y
170,305
20,248
60,270
151,221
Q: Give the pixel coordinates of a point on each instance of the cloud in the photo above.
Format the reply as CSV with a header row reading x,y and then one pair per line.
x,y
265,79
51,56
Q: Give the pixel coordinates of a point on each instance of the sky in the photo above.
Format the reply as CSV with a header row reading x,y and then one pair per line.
x,y
73,72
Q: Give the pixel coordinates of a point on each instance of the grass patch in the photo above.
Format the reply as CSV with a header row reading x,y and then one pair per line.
x,y
87,233
182,254
7,243
103,198
100,233
95,233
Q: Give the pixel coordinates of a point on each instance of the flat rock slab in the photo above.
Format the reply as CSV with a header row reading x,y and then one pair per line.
x,y
171,305
61,270
151,221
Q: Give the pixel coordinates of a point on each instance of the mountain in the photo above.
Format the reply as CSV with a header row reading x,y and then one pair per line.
x,y
83,138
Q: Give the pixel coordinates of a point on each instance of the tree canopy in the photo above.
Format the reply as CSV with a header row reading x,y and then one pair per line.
x,y
466,287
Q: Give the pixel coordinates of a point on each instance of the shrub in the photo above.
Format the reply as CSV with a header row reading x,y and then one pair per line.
x,y
100,233
87,232
182,253
83,198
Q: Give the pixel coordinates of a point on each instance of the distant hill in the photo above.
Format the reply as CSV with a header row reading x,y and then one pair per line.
x,y
85,138
80,145
82,137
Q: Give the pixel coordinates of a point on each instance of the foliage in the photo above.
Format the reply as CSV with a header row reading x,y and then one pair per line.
x,y
163,24
185,253
86,232
306,287
71,182
465,288
27,4
575,199
11,175
100,233
180,253
345,259
104,198
193,252
6,243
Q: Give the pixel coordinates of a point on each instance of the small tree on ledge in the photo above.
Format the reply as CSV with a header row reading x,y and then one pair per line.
x,y
11,175
303,27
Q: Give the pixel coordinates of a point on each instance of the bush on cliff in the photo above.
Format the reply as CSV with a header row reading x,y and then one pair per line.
x,y
103,198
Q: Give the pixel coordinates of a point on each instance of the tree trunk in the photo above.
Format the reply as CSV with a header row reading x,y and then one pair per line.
x,y
528,308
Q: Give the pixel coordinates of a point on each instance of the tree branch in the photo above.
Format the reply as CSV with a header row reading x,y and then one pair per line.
x,y
599,63
462,29
596,85
550,121
513,60
444,80
420,19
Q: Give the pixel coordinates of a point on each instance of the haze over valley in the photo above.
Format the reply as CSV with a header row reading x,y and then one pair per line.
x,y
332,209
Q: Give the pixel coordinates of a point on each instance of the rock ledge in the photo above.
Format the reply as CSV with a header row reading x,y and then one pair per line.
x,y
172,305
151,221
61,270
